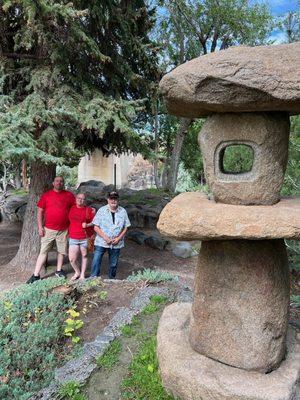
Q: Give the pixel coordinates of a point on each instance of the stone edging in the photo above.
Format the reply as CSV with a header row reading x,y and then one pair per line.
x,y
79,369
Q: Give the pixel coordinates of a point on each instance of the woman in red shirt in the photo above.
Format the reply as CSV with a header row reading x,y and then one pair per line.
x,y
80,229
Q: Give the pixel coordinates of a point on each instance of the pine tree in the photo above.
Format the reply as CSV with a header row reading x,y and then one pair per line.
x,y
73,76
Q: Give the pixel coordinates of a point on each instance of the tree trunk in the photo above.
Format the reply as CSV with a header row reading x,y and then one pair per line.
x,y
24,175
42,176
155,128
17,177
156,177
173,172
4,179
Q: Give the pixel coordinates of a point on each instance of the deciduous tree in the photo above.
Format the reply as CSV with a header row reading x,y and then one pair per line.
x,y
191,28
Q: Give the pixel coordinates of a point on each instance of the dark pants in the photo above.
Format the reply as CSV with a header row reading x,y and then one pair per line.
x,y
113,256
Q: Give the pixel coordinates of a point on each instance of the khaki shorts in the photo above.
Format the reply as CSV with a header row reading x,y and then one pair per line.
x,y
51,236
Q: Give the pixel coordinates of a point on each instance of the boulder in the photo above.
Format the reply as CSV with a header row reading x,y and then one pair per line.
x,y
189,375
183,250
239,79
93,183
241,302
141,217
14,207
21,212
192,216
156,242
137,236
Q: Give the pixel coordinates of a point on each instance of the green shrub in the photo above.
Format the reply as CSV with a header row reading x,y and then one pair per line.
x,y
31,321
151,275
293,250
296,299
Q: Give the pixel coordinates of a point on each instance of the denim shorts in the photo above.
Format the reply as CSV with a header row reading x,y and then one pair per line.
x,y
78,242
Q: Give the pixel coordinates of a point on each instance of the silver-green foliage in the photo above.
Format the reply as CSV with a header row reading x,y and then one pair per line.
x,y
31,320
296,299
151,275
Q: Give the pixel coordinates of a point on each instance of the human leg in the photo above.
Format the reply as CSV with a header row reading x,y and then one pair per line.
x,y
40,262
83,250
113,262
46,245
61,245
96,264
74,251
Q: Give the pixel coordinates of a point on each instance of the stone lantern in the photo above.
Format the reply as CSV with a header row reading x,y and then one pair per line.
x,y
234,342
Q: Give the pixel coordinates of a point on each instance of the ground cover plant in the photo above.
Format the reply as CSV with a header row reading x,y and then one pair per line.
x,y
31,322
45,324
151,276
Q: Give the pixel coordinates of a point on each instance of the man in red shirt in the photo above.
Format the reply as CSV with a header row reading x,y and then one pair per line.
x,y
53,222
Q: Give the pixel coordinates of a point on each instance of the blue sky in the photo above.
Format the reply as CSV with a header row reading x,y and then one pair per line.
x,y
279,7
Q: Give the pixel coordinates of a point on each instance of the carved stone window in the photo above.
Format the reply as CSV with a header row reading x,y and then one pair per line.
x,y
236,159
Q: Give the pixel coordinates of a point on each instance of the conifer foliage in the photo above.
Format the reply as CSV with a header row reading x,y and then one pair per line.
x,y
67,74
73,76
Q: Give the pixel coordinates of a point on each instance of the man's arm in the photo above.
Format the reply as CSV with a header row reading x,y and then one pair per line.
x,y
40,220
102,234
117,239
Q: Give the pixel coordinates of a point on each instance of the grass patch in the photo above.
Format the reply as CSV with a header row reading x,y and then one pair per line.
x,y
151,197
18,191
71,391
110,356
154,304
152,276
131,329
144,381
135,373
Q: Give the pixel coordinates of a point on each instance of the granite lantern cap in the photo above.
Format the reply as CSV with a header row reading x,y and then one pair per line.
x,y
239,79
192,216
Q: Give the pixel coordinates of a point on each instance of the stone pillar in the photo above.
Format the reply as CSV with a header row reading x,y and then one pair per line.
x,y
241,299
267,134
237,329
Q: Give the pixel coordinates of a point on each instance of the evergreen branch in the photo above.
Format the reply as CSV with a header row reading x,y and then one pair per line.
x,y
25,56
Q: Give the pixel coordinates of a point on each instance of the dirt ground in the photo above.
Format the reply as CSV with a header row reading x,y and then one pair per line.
x,y
96,313
133,257
106,384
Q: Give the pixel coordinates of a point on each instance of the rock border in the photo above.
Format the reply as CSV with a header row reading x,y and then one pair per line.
x,y
79,369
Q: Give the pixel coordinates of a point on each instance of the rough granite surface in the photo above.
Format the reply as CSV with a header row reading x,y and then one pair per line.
x,y
241,303
192,376
192,216
239,79
267,134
